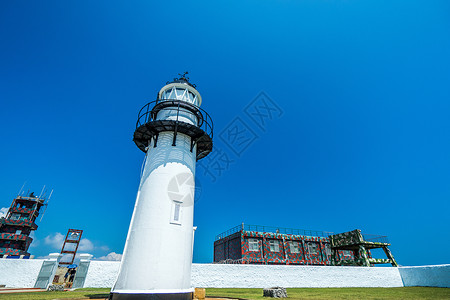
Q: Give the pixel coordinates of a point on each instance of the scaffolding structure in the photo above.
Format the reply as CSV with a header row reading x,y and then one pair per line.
x,y
70,246
360,245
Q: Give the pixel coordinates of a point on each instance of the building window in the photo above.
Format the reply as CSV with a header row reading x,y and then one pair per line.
x,y
176,213
15,217
294,246
347,254
274,246
312,248
253,245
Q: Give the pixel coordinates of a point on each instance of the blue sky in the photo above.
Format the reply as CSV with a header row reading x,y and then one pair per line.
x,y
362,141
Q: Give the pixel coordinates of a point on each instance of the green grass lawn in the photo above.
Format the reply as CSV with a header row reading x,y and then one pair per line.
x,y
340,293
323,293
79,293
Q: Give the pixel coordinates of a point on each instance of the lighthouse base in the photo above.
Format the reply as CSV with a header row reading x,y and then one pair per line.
x,y
173,296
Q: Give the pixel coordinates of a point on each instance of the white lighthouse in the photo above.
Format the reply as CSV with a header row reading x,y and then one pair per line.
x,y
174,132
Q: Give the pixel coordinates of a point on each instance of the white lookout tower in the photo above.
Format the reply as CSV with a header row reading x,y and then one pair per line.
x,y
174,132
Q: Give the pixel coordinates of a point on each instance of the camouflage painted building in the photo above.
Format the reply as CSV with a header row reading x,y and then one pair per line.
x,y
253,244
17,225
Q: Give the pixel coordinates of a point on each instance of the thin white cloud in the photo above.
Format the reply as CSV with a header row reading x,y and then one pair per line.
x,y
35,241
113,256
3,211
55,240
85,245
104,248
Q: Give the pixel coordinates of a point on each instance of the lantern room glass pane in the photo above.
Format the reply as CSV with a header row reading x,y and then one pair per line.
x,y
179,93
167,94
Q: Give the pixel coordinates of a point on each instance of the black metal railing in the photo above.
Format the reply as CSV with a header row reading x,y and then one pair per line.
x,y
228,232
272,229
178,109
375,238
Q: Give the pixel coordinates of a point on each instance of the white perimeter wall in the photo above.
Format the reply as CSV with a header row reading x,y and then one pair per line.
x,y
438,276
261,276
102,274
20,273
23,273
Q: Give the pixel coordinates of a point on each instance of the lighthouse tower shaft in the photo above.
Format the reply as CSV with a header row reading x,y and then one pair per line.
x,y
174,132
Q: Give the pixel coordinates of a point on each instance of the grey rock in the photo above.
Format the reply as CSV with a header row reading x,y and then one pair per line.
x,y
275,292
56,288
